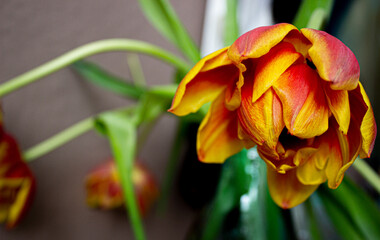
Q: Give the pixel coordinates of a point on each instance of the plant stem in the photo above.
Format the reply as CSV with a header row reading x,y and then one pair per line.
x,y
367,173
88,50
66,136
59,139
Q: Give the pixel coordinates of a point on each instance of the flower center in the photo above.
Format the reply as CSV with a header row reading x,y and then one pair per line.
x,y
310,64
290,141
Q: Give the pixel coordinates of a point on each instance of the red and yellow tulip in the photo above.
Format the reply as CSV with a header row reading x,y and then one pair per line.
x,y
295,94
17,184
104,189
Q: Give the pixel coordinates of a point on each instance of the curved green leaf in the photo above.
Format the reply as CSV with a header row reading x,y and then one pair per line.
x,y
355,206
95,74
121,132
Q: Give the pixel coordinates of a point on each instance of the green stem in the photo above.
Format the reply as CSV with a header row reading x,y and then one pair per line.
x,y
317,19
66,136
88,50
59,139
367,173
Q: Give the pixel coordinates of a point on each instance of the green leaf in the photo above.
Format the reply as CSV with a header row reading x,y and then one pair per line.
x,y
162,16
353,204
121,133
233,183
315,233
150,107
179,75
231,32
310,10
241,184
102,78
340,219
275,225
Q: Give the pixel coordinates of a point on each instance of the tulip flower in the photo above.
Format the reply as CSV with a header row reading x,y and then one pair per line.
x,y
295,94
17,184
104,189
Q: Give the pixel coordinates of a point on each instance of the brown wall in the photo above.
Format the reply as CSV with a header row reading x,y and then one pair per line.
x,y
33,32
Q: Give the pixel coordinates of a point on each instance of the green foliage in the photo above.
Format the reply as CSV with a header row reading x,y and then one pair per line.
x,y
121,132
309,8
353,212
95,74
241,185
162,16
275,225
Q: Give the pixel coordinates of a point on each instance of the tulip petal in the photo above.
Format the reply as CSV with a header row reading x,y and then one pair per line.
x,y
217,135
205,81
262,120
305,110
335,62
17,184
286,190
258,41
245,137
339,106
271,66
362,115
341,152
25,191
312,171
253,44
300,43
275,162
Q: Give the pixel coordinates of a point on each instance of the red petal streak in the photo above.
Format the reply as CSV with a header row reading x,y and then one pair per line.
x,y
271,66
205,81
334,60
362,115
217,135
258,41
341,152
262,120
254,44
339,106
16,180
305,109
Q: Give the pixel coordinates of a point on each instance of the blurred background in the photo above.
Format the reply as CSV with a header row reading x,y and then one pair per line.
x,y
33,32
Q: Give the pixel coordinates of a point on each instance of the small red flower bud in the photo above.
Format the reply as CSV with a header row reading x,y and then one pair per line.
x,y
104,188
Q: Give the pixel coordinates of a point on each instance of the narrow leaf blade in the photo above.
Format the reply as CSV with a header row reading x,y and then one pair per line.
x,y
307,9
97,75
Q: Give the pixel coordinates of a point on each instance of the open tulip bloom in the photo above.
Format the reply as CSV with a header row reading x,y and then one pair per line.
x,y
295,94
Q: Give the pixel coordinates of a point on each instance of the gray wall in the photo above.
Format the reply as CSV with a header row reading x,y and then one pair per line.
x,y
33,32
